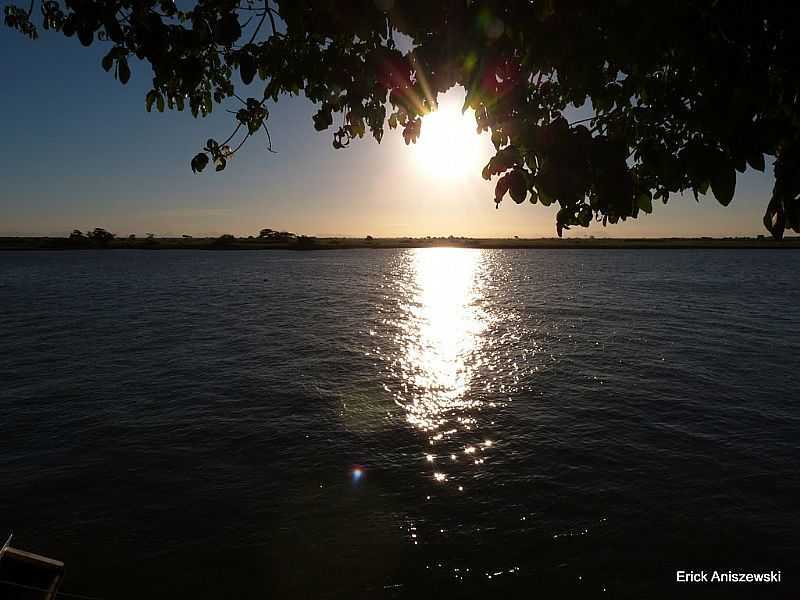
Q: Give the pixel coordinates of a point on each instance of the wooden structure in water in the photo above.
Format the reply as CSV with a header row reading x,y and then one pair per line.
x,y
28,576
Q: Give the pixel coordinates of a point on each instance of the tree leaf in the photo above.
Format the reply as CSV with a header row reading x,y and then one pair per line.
x,y
107,62
123,71
86,36
247,68
199,162
723,185
545,199
150,99
516,186
501,187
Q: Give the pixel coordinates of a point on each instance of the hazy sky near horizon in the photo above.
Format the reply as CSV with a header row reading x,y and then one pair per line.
x,y
80,151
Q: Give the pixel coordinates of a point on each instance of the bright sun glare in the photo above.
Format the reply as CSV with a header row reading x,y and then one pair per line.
x,y
449,146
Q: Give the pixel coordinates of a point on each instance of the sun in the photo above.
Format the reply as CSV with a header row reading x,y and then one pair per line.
x,y
449,147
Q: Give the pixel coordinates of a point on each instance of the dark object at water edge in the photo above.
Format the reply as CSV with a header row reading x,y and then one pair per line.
x,y
28,576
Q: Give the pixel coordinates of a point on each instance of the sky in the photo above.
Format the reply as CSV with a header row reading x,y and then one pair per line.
x,y
79,151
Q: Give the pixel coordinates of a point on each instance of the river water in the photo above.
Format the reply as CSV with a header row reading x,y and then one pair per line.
x,y
402,423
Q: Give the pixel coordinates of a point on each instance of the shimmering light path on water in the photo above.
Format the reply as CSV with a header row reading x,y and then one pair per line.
x,y
440,325
412,423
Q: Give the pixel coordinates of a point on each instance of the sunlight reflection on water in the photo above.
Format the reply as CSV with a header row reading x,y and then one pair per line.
x,y
442,346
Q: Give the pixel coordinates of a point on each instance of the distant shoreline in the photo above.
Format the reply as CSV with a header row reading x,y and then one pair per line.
x,y
310,243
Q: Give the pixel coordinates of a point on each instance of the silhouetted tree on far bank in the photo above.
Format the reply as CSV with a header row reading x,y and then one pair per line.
x,y
77,239
226,239
272,235
100,236
680,95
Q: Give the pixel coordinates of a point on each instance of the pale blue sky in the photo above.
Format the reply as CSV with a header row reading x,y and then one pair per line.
x,y
79,151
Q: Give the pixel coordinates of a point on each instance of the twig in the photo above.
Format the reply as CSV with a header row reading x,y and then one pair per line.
x,y
260,23
269,138
583,120
230,137
235,150
271,18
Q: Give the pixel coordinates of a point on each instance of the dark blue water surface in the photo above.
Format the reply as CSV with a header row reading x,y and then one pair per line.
x,y
402,423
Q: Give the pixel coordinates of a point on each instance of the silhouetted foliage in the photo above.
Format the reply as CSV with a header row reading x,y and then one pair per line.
x,y
77,239
132,236
226,239
278,236
100,236
682,94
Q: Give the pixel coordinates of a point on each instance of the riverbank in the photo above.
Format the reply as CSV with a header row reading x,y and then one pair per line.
x,y
312,243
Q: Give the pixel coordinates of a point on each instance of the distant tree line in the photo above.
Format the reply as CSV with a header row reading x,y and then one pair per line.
x,y
97,237
271,235
102,238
